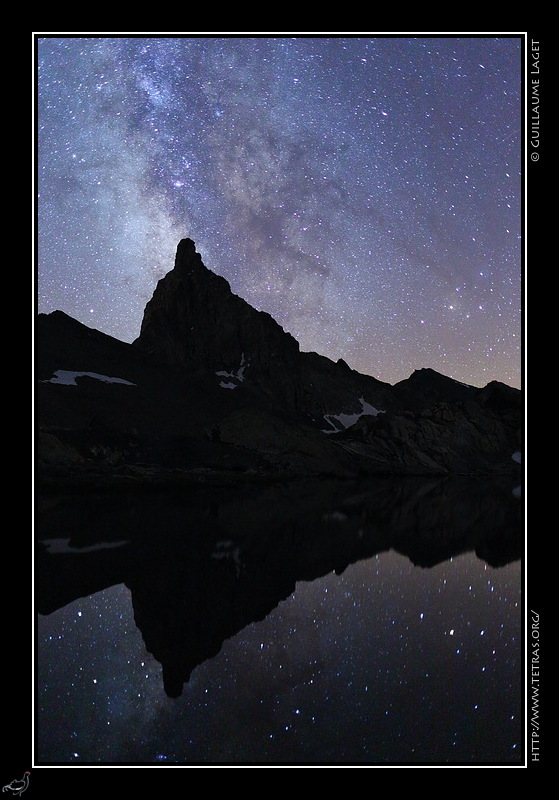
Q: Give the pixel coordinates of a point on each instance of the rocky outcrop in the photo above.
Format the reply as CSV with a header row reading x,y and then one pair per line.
x,y
452,438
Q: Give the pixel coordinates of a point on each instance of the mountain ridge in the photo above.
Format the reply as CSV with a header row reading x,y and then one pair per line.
x,y
215,385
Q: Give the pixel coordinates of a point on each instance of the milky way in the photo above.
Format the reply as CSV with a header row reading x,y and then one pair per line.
x,y
365,191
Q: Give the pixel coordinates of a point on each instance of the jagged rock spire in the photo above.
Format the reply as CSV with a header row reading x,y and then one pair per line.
x,y
194,321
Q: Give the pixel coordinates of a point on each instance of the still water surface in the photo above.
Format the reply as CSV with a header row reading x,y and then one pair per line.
x,y
345,629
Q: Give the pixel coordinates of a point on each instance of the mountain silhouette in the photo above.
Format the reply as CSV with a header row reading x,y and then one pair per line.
x,y
213,388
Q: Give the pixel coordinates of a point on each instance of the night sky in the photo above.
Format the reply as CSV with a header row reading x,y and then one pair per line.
x,y
365,191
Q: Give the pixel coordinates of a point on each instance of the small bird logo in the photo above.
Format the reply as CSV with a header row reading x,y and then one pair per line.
x,y
17,787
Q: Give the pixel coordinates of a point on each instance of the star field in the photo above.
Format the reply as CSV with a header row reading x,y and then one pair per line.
x,y
365,191
385,663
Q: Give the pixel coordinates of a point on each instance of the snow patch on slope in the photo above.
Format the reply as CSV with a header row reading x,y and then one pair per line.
x,y
68,378
64,546
236,378
342,421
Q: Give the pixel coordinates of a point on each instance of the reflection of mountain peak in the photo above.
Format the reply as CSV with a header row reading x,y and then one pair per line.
x,y
226,557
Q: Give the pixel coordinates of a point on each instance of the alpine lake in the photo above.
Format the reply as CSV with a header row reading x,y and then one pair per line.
x,y
284,624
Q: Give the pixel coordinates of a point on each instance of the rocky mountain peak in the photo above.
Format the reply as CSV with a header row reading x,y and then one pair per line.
x,y
195,322
186,253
